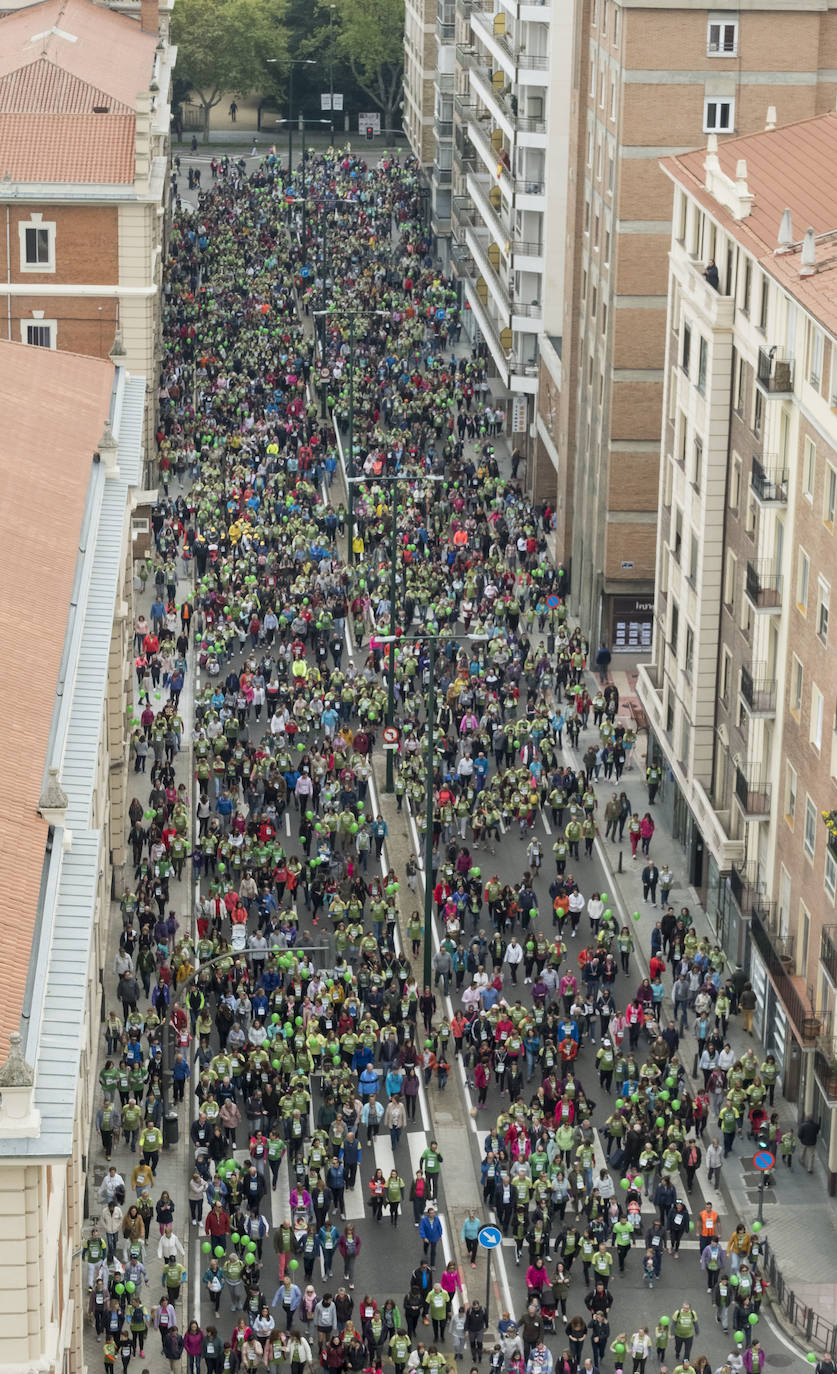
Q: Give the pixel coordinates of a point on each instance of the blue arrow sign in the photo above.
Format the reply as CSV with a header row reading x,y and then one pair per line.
x,y
764,1160
490,1237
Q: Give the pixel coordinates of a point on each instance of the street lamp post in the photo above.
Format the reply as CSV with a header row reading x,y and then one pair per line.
x,y
292,62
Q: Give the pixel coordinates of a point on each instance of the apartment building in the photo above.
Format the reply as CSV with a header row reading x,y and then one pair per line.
x,y
741,695
418,85
647,81
508,173
84,162
72,460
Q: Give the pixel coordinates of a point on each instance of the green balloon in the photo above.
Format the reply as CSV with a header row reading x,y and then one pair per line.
x,y
665,1321
811,1357
235,1238
636,916
251,1244
603,896
675,1106
130,1286
618,1103
691,1226
753,1318
756,1226
639,1182
738,1337
618,1347
293,1264
249,1259
624,1184
734,1280
219,1252
660,1122
120,1288
298,1021
664,1094
276,1064
670,1081
206,1247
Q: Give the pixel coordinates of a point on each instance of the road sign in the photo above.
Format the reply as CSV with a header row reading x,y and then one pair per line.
x,y
390,737
490,1237
325,374
553,601
764,1160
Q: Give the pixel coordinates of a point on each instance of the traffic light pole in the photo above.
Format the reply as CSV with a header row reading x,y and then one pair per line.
x,y
429,775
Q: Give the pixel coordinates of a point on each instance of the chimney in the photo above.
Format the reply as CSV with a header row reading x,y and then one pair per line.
x,y
771,118
785,233
150,16
809,254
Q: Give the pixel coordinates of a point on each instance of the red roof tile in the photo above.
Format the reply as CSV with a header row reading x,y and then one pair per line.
x,y
43,88
787,168
68,148
53,407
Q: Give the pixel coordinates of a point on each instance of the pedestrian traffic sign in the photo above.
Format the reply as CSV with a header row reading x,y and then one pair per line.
x,y
764,1160
390,737
490,1237
325,374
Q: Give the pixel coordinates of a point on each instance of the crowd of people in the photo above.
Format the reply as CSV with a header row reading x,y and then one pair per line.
x,y
300,1024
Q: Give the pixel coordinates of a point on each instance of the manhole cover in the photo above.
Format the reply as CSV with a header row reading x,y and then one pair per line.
x,y
768,1197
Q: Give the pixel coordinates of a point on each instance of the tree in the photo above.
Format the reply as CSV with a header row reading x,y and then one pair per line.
x,y
371,41
222,46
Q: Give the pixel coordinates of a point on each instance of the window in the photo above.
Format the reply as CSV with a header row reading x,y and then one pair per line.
x,y
726,675
796,679
689,652
701,377
803,573
809,469
613,97
38,332
758,413
830,880
730,575
687,346
698,467
748,287
684,440
693,558
735,484
765,297
739,389
829,500
721,39
675,627
817,713
37,245
815,347
809,842
681,223
717,116
678,532
790,793
823,599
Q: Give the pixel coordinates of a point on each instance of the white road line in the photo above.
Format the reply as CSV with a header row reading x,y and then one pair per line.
x,y
287,825
547,827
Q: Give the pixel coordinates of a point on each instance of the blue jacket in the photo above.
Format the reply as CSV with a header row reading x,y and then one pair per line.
x,y
430,1230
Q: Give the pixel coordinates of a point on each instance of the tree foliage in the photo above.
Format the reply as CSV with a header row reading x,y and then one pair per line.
x,y
370,39
222,45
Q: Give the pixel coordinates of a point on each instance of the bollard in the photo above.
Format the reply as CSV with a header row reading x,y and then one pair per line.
x,y
619,869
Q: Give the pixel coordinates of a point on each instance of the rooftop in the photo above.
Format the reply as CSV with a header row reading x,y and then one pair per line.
x,y
53,408
70,74
785,169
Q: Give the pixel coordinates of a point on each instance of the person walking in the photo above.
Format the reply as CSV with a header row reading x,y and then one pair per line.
x,y
807,1135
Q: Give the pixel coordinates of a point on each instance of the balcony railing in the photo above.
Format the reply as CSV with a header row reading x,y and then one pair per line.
x,y
768,480
442,175
747,889
528,248
753,793
468,57
531,310
445,32
444,128
778,963
763,585
828,952
464,106
775,371
825,1068
758,691
529,186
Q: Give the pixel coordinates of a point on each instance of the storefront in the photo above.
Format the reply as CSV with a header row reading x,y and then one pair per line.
x,y
631,624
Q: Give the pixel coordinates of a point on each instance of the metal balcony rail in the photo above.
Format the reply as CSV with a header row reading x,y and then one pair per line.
x,y
753,791
763,585
768,480
775,370
759,690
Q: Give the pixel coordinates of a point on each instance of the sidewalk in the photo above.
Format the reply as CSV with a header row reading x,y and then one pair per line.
x,y
805,1243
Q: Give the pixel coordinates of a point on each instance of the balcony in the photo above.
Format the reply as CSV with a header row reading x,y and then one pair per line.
x,y
479,132
752,792
441,175
747,889
769,481
758,691
828,952
479,190
464,107
467,57
778,960
774,371
503,105
529,186
763,586
444,128
445,31
461,258
825,1069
